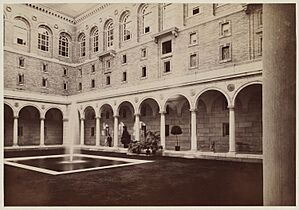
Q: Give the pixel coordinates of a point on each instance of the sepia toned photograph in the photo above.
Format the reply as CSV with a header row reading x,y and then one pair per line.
x,y
149,104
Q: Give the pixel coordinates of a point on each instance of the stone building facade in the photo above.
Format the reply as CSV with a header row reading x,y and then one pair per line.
x,y
146,66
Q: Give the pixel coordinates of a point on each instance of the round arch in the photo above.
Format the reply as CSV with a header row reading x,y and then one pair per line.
x,y
8,125
147,98
212,89
54,107
30,104
258,82
163,105
103,106
126,101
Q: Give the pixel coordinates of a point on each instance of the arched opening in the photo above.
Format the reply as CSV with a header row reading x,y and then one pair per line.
x,y
89,126
178,114
94,39
149,117
29,126
212,122
106,125
8,126
53,130
126,119
248,108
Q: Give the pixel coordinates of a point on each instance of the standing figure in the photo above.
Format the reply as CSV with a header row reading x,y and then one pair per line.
x,y
125,138
109,140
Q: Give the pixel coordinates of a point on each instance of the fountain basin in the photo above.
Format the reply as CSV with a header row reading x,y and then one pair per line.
x,y
61,164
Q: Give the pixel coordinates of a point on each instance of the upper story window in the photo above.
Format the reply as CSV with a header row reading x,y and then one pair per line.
x,y
145,19
143,71
80,72
21,79
143,53
124,79
94,34
65,71
93,68
44,35
44,82
80,86
124,59
225,53
44,67
108,80
109,34
64,85
126,26
225,28
82,44
166,47
21,62
21,31
64,40
93,83
260,18
193,38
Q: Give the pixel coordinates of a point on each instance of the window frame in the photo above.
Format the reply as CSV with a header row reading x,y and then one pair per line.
x,y
221,31
43,40
196,61
64,45
221,60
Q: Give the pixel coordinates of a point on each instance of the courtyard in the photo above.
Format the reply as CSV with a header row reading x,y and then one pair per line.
x,y
167,181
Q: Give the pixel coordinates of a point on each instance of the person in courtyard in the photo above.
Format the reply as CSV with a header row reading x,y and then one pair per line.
x,y
109,140
126,137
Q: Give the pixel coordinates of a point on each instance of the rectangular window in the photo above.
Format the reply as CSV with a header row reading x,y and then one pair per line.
x,y
80,72
44,82
93,84
225,29
21,79
22,62
166,66
146,29
93,68
166,130
20,131
166,47
64,86
92,131
45,67
193,60
260,18
20,41
260,45
108,64
80,86
143,53
193,38
225,129
124,77
195,11
225,53
65,71
143,73
124,59
108,80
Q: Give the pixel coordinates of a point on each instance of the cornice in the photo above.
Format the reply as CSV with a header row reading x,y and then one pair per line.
x,y
90,12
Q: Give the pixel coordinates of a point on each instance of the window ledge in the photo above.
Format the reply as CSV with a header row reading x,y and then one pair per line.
x,y
166,73
45,72
107,53
143,78
193,45
124,82
163,56
143,58
172,31
225,36
225,61
124,64
193,67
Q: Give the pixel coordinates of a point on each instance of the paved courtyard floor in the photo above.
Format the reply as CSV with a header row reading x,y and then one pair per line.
x,y
166,181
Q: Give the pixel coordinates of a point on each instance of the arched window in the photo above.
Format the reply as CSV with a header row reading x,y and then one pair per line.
x,y
94,39
43,38
64,40
109,34
82,44
21,31
145,19
126,26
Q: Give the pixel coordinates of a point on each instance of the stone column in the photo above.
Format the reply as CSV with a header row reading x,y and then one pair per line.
x,y
15,131
82,132
115,132
279,104
98,130
65,128
137,127
193,130
42,131
162,129
232,130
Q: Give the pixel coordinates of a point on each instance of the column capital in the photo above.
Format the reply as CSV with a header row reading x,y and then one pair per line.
x,y
42,118
162,112
137,114
82,118
98,117
231,107
116,116
193,110
16,117
65,119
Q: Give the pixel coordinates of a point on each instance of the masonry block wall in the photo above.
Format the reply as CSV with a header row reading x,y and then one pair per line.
x,y
29,127
8,126
53,128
